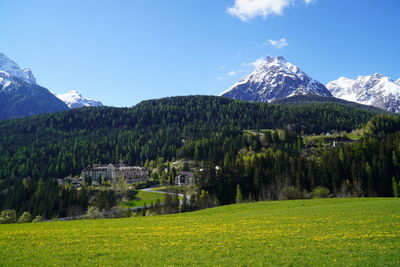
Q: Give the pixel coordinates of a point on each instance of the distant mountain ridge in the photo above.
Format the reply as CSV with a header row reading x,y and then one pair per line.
x,y
273,79
74,99
376,90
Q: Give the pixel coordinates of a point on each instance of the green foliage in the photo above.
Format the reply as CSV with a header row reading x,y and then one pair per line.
x,y
93,213
105,200
383,124
25,218
57,145
37,219
396,187
42,197
171,204
208,129
239,196
320,192
289,193
8,216
318,232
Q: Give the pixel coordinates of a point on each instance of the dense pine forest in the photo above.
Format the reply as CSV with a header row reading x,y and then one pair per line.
x,y
271,164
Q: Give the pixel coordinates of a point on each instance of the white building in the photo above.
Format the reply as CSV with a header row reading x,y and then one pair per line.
x,y
131,174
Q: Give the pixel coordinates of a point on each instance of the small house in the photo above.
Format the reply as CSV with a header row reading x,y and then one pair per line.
x,y
184,178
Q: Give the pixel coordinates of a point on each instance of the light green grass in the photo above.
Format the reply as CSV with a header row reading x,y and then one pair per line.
x,y
353,136
327,232
143,197
161,188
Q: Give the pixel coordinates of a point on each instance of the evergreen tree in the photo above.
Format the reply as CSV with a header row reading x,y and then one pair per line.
x,y
396,187
239,196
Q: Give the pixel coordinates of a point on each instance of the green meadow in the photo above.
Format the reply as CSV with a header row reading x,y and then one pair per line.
x,y
143,198
325,232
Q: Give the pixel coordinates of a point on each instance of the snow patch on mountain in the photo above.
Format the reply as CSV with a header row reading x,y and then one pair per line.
x,y
273,79
5,80
12,68
376,90
73,99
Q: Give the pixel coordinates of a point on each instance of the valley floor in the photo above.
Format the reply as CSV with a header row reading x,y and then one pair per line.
x,y
326,232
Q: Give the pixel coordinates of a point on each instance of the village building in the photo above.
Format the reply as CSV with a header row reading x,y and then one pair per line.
x,y
185,178
111,172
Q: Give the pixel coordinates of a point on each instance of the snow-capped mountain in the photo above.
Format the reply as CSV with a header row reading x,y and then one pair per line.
x,y
73,99
20,96
273,79
12,68
375,90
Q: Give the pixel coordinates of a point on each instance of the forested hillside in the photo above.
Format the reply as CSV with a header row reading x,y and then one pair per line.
x,y
56,145
209,130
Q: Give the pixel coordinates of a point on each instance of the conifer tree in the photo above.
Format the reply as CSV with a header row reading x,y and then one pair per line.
x,y
239,196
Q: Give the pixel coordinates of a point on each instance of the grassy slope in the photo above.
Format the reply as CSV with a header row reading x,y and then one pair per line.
x,y
142,198
336,232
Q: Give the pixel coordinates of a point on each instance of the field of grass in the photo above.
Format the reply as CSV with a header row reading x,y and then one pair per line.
x,y
143,197
326,232
348,136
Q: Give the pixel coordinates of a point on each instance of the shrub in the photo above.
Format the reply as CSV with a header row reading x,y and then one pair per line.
x,y
25,217
290,192
320,192
8,216
93,213
37,219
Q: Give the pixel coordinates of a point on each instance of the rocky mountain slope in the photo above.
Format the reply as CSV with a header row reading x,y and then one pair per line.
x,y
20,96
12,68
21,99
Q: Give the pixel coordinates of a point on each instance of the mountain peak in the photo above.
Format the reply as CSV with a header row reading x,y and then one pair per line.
x,y
377,90
377,75
273,79
74,99
12,68
277,59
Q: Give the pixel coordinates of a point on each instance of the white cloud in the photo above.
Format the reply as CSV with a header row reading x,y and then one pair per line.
x,y
234,72
278,44
248,9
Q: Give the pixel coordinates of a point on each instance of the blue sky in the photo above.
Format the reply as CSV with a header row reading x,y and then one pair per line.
x,y
124,51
